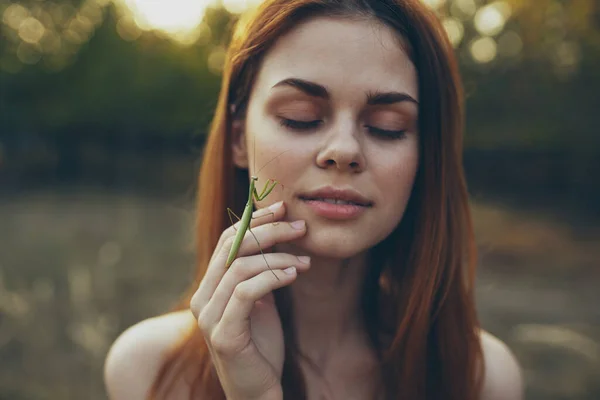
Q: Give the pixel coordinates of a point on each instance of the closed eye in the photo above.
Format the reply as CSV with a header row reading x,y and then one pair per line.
x,y
387,133
308,125
299,125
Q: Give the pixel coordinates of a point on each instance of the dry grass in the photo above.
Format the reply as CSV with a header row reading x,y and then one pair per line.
x,y
539,241
76,269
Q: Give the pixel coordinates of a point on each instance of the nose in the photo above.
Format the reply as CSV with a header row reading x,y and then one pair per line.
x,y
342,149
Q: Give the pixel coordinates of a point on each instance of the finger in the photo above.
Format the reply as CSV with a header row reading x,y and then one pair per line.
x,y
244,269
236,315
270,214
216,267
265,236
276,211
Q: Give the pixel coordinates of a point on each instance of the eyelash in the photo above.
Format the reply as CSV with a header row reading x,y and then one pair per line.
x,y
304,126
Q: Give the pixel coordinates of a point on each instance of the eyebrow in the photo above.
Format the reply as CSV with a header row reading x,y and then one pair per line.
x,y
373,98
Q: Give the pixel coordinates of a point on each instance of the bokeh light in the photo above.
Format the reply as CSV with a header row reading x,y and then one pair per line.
x,y
31,30
47,30
490,19
510,44
92,11
204,34
179,19
463,9
455,30
216,60
14,14
57,29
61,13
239,6
567,57
483,50
28,53
51,42
435,4
128,29
79,29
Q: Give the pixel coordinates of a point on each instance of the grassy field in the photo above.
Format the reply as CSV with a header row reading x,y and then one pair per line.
x,y
77,268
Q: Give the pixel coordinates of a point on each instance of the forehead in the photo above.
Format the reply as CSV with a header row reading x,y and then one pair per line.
x,y
347,56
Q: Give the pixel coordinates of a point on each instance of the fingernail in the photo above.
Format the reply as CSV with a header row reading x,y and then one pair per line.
x,y
276,206
298,224
290,270
304,259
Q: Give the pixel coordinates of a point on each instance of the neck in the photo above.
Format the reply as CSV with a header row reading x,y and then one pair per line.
x,y
327,306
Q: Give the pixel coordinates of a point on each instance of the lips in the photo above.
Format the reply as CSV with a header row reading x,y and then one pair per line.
x,y
333,195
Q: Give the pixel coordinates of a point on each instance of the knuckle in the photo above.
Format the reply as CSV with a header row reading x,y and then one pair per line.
x,y
235,265
226,346
231,230
247,241
217,342
203,322
194,305
237,269
224,235
197,304
228,243
242,292
218,246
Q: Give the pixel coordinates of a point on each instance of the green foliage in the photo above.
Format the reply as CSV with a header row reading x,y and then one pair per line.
x,y
540,96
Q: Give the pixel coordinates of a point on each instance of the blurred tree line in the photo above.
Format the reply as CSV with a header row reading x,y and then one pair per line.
x,y
83,80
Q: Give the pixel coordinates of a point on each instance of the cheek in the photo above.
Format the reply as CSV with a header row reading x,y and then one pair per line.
x,y
407,169
265,153
284,168
396,181
398,167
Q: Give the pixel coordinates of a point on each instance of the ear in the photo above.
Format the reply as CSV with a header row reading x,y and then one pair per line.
x,y
238,143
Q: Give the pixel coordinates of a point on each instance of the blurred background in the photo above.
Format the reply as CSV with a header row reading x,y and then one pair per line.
x,y
104,107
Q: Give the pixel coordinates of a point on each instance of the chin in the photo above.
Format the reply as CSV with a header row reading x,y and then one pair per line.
x,y
328,245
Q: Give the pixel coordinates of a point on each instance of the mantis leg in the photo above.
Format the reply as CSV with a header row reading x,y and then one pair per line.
x,y
265,191
229,212
271,214
262,193
261,252
266,215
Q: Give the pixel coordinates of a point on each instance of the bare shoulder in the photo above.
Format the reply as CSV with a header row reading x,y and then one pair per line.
x,y
136,356
503,379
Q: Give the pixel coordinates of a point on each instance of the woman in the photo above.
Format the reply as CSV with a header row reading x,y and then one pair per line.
x,y
355,106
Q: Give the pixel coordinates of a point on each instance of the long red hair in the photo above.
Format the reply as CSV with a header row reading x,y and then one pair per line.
x,y
419,291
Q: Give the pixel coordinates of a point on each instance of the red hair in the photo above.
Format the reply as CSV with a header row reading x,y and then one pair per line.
x,y
419,291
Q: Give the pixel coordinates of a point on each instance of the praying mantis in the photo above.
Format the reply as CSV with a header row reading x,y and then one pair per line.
x,y
247,215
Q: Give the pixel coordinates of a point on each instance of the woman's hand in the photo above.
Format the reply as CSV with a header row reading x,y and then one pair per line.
x,y
236,311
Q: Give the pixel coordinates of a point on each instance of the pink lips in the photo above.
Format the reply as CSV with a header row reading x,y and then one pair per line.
x,y
338,204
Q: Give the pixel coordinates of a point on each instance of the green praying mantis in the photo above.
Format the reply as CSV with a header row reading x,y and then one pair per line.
x,y
247,215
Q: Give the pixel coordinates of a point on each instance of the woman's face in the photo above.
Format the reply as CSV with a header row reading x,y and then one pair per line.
x,y
339,97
